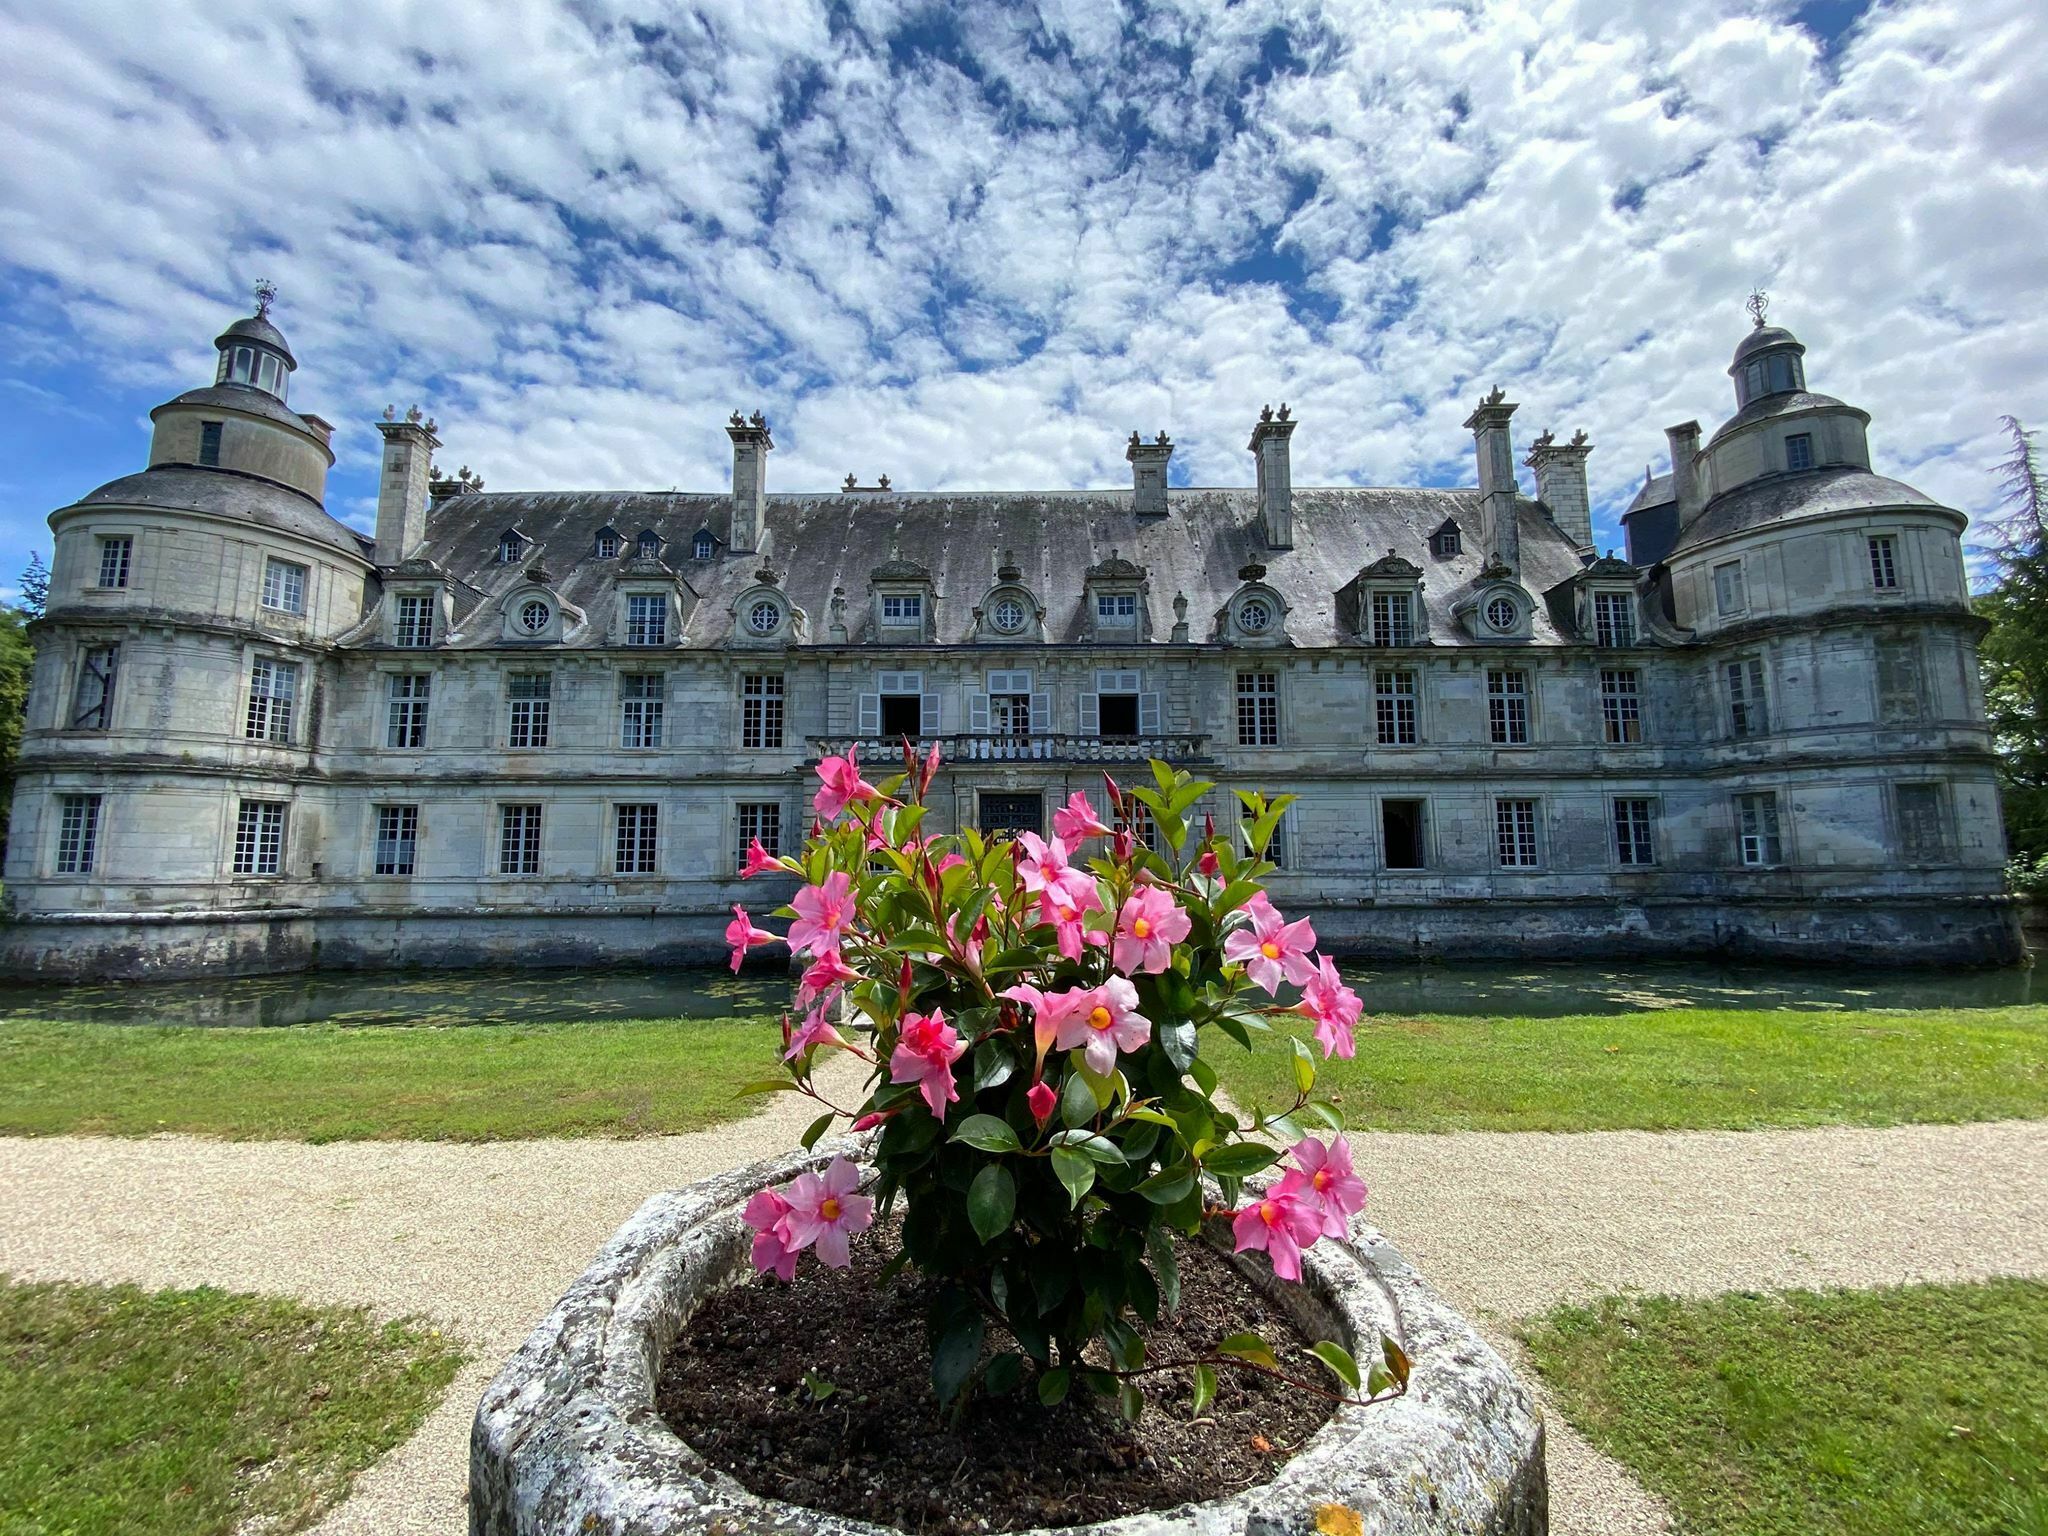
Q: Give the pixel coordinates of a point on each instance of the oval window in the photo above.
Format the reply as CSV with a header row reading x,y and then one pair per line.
x,y
1009,615
1254,616
1501,614
763,617
534,616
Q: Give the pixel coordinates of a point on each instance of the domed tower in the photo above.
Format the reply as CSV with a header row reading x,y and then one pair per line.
x,y
173,719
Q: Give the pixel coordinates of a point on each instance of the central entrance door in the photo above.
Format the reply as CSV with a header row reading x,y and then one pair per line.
x,y
1006,815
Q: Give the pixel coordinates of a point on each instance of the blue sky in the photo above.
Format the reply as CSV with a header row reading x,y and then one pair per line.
x,y
974,246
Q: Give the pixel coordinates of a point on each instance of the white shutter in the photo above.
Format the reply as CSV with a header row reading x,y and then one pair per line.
x,y
1041,713
928,714
1148,714
1091,715
977,713
869,722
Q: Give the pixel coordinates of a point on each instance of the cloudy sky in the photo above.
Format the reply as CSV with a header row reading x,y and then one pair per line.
x,y
974,246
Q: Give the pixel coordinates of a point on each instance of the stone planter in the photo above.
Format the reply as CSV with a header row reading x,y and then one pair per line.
x,y
567,1439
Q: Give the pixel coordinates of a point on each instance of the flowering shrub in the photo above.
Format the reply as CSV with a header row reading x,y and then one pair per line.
x,y
1035,1015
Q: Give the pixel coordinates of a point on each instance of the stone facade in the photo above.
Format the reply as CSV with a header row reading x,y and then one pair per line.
x,y
541,727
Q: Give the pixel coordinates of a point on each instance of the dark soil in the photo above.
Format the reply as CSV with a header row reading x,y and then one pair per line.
x,y
879,1449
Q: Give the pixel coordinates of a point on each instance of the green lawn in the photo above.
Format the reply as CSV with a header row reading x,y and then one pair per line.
x,y
189,1413
1920,1409
1672,1069
323,1083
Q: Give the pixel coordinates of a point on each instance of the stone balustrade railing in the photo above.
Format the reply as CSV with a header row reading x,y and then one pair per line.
x,y
1049,747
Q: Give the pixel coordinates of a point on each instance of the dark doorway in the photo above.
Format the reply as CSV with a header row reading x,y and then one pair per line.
x,y
1007,815
1119,715
902,715
1401,827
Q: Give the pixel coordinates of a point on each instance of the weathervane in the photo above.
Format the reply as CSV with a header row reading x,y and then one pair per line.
x,y
266,295
1758,305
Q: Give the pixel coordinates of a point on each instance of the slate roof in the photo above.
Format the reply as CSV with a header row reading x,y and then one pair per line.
x,y
238,397
1783,403
227,493
1656,492
1789,497
815,542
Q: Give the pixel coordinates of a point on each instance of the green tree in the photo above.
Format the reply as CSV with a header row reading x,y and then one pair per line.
x,y
2015,651
35,587
16,659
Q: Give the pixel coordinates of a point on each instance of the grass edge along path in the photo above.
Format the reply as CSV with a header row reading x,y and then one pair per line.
x,y
318,1082
1673,1069
1834,1413
200,1412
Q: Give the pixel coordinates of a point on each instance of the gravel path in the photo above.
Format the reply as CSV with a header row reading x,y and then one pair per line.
x,y
483,1238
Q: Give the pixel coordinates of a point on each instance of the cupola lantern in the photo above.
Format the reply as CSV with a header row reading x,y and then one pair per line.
x,y
253,353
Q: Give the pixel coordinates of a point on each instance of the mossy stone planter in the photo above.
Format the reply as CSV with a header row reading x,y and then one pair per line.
x,y
568,1440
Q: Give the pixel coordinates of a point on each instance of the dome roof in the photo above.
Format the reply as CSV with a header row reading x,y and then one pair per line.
x,y
225,493
238,397
257,328
1776,499
1761,339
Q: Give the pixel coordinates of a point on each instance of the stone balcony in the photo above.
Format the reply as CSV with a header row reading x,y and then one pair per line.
x,y
1049,747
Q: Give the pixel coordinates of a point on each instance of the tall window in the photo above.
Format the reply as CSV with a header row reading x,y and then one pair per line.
x,y
1756,825
284,586
1507,706
398,839
1923,821
1258,709
1728,592
1635,832
1748,713
413,626
116,554
640,709
1393,618
259,837
1621,704
760,820
209,442
1514,833
1799,451
518,839
406,720
1010,710
761,710
1394,708
638,839
1884,563
273,699
92,706
532,698
1614,618
78,833
646,619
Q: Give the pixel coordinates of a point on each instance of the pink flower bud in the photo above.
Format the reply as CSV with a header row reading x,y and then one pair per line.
x,y
1043,1102
1207,863
1116,796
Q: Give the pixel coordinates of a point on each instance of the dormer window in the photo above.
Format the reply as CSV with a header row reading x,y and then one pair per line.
x,y
1445,543
906,608
703,547
1502,613
1614,618
512,544
648,545
1116,608
1393,618
608,544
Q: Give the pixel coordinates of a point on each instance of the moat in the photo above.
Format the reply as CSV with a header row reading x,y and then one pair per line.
x,y
527,997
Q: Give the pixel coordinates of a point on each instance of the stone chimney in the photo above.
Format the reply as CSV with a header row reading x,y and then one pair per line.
x,y
1499,533
750,447
1276,478
402,488
1148,474
1560,470
1685,480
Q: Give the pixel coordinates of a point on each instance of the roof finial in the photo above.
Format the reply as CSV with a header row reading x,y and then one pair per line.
x,y
1759,305
266,295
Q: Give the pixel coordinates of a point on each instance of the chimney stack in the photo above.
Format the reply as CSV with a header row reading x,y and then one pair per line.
x,y
402,488
750,448
1685,481
1498,530
1560,470
1148,474
1276,476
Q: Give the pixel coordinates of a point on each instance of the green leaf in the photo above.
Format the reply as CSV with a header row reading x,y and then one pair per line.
x,y
1077,1101
1338,1360
1204,1076
993,1065
1378,1379
1130,1402
1177,1039
1003,1373
1205,1388
955,1355
1233,1026
817,1128
1235,895
987,1133
991,1202
1239,1159
1126,1349
1076,1170
1169,1185
1101,1148
1052,1386
1166,1264
818,1386
1251,1348
766,1085
1304,1064
1153,1117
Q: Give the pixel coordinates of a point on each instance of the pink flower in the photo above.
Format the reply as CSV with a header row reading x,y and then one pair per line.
x,y
1282,1224
1042,862
1271,948
1050,1011
822,914
741,934
822,975
1065,903
1335,1008
926,1048
1102,1022
1146,931
841,785
816,1029
823,1209
1043,1102
759,861
1324,1181
1077,820
774,1254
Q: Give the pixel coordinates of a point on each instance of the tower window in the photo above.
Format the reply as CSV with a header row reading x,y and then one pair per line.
x,y
92,706
273,700
116,554
78,833
1884,563
1728,594
1799,451
209,442
284,586
1748,713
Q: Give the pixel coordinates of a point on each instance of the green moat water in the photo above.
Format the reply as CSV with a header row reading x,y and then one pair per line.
x,y
529,997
